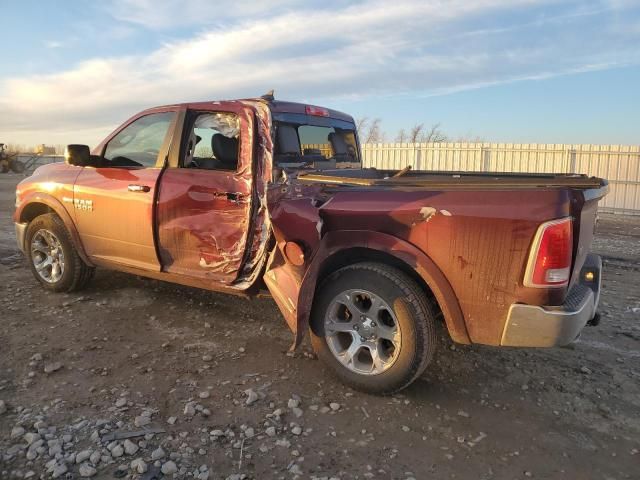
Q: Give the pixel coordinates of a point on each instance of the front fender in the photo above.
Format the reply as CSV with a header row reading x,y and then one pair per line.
x,y
21,215
298,312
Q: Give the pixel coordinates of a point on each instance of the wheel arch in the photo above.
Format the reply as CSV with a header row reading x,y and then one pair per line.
x,y
33,210
343,248
40,204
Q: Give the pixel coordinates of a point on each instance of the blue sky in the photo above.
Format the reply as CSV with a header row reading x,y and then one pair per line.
x,y
503,70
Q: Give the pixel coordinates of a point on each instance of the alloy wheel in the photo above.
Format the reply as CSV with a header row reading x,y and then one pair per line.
x,y
362,332
47,256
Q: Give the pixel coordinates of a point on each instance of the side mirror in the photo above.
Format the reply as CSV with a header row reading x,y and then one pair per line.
x,y
78,155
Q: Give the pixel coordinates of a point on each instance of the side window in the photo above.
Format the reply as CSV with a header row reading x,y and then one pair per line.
x,y
212,142
139,143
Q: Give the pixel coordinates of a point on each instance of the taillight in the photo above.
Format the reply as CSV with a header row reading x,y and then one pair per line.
x,y
317,111
550,258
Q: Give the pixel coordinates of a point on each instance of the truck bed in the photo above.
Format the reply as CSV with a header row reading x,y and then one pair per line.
x,y
452,180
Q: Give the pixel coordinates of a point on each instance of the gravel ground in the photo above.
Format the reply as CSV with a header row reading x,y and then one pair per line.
x,y
210,375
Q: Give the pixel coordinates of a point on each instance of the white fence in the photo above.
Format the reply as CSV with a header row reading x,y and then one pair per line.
x,y
620,164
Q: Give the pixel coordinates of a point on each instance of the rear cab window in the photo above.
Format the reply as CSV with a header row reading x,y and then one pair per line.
x,y
321,141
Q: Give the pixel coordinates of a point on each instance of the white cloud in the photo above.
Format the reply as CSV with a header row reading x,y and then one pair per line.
x,y
153,14
53,44
347,50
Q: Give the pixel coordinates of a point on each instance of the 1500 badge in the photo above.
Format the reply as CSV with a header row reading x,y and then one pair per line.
x,y
80,204
86,205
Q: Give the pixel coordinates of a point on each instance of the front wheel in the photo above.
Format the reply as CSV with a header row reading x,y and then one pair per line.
x,y
53,258
372,325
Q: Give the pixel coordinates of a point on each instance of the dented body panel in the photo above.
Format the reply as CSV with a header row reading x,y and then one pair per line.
x,y
204,216
466,238
472,254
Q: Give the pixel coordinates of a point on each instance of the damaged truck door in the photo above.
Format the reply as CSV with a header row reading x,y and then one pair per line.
x,y
204,203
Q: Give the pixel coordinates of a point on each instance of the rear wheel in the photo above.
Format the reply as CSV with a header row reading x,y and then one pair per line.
x,y
53,259
372,325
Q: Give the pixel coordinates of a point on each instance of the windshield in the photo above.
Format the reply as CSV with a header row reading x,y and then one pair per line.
x,y
303,143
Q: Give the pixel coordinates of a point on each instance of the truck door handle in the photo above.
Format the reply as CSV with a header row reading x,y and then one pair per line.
x,y
233,197
139,188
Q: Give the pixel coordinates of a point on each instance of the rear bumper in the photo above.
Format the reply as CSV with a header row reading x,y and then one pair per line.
x,y
536,326
21,233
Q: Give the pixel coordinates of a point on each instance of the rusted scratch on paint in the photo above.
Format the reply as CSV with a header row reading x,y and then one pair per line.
x,y
427,213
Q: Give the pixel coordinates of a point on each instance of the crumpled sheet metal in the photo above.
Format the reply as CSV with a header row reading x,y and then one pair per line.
x,y
258,242
207,212
296,216
226,124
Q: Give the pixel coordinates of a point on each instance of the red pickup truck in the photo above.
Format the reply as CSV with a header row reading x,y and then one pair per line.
x,y
262,196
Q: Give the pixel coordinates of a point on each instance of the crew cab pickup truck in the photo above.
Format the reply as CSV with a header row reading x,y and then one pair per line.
x,y
258,196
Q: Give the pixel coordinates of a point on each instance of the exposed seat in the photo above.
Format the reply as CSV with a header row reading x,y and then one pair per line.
x,y
225,151
287,144
340,147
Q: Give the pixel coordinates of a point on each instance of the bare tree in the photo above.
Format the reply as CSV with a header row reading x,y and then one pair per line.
x,y
361,125
17,148
415,135
374,134
470,138
369,130
434,135
418,134
401,137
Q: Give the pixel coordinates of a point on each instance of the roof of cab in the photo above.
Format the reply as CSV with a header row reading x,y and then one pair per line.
x,y
294,107
276,106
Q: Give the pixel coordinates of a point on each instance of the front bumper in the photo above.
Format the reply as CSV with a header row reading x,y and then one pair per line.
x,y
21,233
535,326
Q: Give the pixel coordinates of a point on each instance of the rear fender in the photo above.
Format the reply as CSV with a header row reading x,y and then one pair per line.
x,y
22,216
296,305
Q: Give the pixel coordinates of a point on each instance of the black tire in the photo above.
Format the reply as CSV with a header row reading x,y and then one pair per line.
x,y
413,314
4,166
76,274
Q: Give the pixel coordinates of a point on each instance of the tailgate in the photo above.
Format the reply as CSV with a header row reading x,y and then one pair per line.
x,y
584,211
